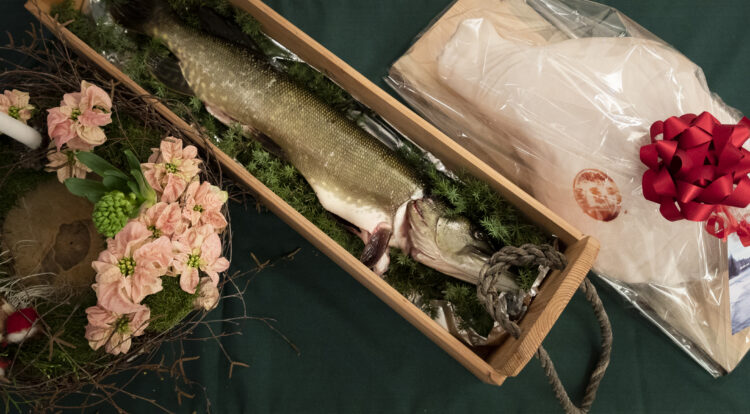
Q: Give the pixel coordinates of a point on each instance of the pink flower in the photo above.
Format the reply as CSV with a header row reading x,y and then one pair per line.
x,y
199,248
208,295
130,268
16,104
60,127
65,164
77,121
203,203
154,259
95,105
163,219
171,167
114,331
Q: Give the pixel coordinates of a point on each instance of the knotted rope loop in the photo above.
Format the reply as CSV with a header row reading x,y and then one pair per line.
x,y
497,306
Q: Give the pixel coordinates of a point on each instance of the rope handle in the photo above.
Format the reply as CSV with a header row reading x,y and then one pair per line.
x,y
497,306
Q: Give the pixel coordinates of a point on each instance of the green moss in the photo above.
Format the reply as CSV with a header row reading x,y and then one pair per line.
x,y
284,180
412,278
472,313
128,133
169,306
71,321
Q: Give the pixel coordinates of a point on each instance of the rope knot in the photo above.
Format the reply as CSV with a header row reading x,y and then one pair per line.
x,y
502,305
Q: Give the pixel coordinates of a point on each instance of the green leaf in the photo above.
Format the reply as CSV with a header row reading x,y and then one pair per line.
x,y
99,165
144,189
114,182
134,189
133,162
92,190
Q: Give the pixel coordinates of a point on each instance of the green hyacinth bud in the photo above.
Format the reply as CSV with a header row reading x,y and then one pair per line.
x,y
113,211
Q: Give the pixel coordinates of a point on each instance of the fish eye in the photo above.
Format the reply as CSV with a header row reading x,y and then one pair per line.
x,y
479,235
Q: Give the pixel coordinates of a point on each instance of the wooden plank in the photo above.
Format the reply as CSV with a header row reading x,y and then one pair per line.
x,y
509,357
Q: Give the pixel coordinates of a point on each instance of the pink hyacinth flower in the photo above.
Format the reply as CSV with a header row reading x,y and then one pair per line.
x,y
115,331
170,168
202,205
199,248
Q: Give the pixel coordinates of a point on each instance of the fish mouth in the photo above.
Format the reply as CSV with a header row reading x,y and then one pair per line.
x,y
423,247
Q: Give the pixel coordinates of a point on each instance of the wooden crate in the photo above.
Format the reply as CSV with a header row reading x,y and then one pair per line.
x,y
505,360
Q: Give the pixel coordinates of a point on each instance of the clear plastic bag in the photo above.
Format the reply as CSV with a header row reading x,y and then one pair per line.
x,y
559,96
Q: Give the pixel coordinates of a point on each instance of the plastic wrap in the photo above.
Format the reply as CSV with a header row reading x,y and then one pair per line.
x,y
559,96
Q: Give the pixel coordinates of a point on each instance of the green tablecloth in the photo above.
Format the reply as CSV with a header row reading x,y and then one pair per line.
x,y
357,355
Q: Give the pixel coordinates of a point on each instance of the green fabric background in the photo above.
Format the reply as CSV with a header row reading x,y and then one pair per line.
x,y
357,355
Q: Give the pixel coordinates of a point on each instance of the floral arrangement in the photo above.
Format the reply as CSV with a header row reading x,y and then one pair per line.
x,y
160,220
149,262
164,223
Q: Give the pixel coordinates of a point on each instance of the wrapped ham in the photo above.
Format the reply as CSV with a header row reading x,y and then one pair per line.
x,y
559,96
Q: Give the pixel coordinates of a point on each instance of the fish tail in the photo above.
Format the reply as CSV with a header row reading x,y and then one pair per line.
x,y
136,15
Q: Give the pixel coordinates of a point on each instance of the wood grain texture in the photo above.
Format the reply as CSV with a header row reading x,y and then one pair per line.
x,y
511,356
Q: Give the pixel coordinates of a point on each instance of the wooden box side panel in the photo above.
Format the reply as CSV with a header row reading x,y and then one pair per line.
x,y
294,219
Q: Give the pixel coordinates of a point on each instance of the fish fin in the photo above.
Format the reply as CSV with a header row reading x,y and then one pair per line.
x,y
362,234
382,265
168,71
223,117
376,247
248,130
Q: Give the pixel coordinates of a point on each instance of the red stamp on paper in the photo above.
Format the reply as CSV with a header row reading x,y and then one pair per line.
x,y
597,194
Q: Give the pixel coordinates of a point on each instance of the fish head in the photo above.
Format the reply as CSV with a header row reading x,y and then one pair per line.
x,y
447,243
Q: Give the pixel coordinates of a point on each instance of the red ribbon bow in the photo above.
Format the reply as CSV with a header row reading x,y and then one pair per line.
x,y
698,169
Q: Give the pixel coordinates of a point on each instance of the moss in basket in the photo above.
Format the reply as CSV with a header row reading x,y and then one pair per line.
x,y
169,306
140,140
466,196
71,321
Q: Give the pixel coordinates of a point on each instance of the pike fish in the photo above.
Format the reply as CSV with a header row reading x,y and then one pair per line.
x,y
353,174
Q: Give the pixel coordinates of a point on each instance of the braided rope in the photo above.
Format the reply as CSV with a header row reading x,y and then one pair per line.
x,y
497,306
